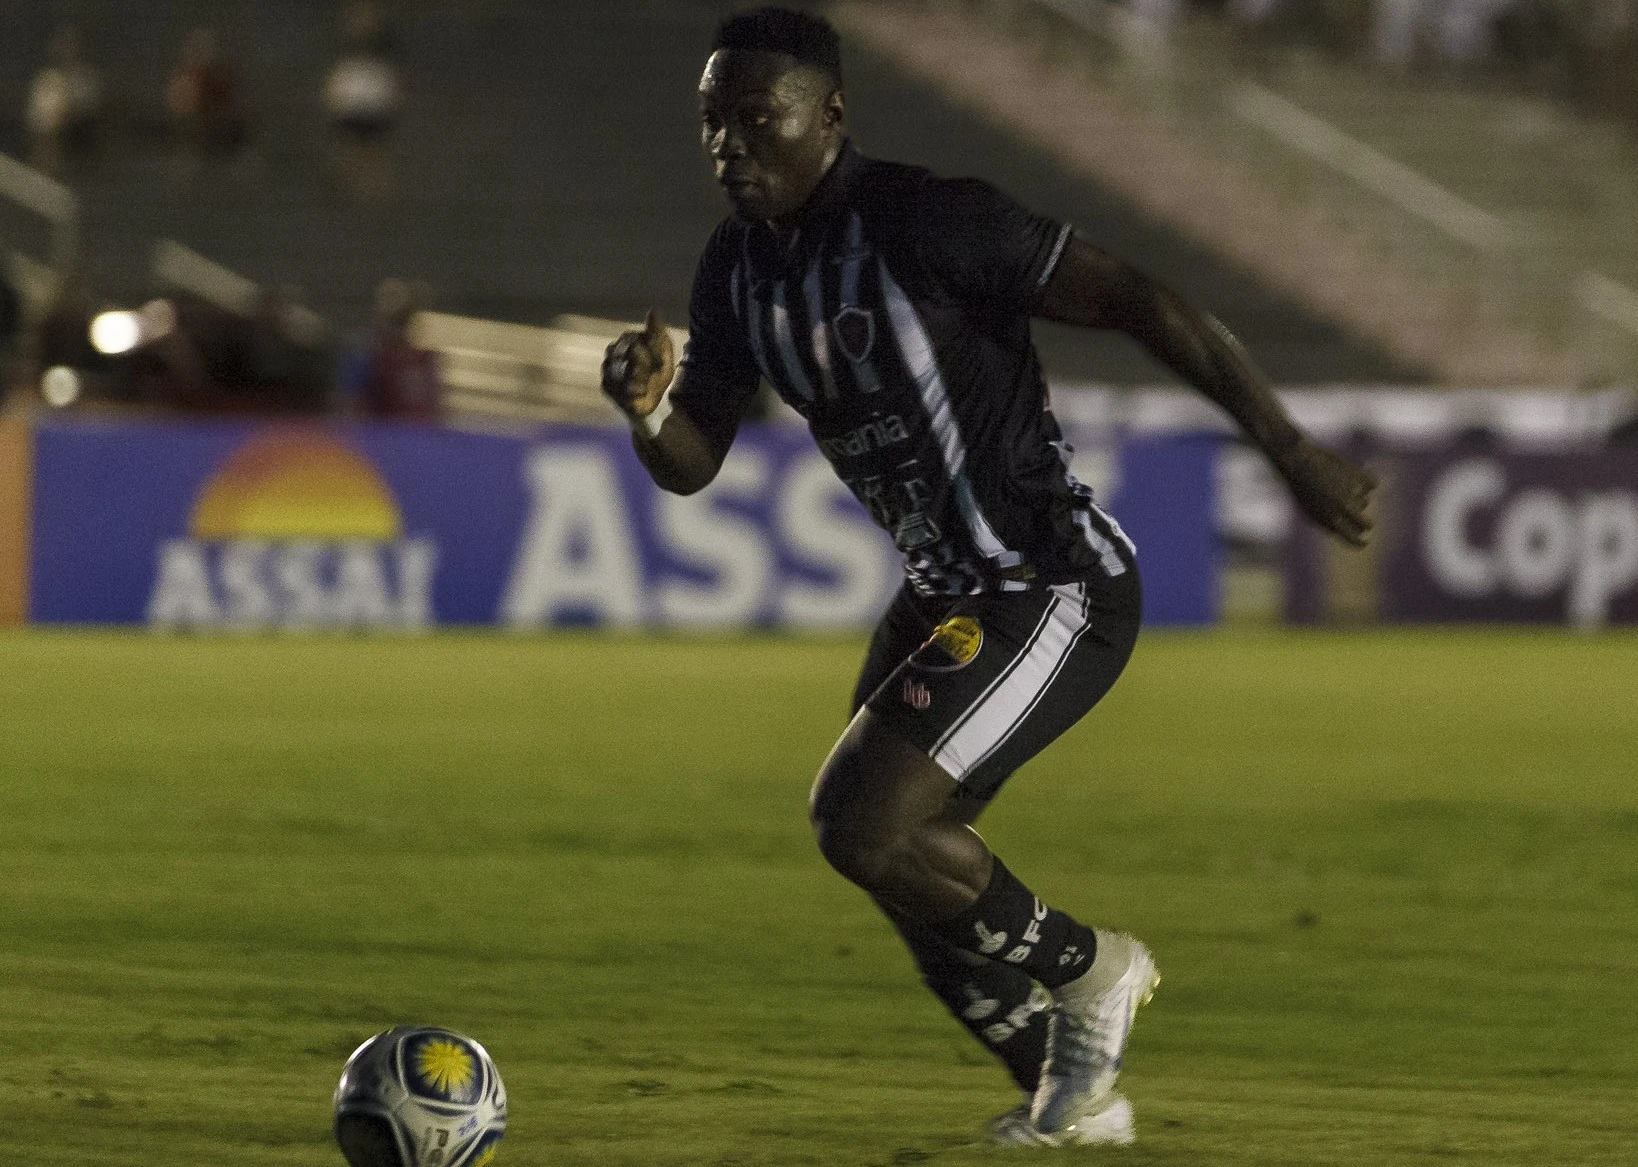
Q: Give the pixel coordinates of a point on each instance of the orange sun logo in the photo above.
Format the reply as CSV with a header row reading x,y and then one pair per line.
x,y
445,1065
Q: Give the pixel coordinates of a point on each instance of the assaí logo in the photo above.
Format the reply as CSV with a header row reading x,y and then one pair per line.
x,y
295,530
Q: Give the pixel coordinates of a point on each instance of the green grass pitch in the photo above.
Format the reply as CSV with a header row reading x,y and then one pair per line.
x,y
1391,880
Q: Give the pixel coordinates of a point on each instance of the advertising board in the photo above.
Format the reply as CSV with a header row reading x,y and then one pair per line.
x,y
232,525
1486,535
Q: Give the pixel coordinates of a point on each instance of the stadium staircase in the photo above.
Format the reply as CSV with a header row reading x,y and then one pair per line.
x,y
1485,235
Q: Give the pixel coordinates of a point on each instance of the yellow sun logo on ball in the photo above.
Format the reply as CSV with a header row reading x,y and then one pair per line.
x,y
445,1066
487,1157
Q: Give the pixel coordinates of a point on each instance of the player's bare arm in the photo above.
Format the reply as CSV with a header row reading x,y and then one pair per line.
x,y
1095,289
638,369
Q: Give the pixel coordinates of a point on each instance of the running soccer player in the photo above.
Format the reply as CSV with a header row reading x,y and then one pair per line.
x,y
891,308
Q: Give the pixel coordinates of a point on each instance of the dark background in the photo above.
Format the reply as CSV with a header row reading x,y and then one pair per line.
x,y
547,162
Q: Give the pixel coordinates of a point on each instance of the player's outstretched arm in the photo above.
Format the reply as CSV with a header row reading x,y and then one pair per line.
x,y
638,369
1090,287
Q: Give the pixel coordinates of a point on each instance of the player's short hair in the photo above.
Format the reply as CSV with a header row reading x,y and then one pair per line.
x,y
769,29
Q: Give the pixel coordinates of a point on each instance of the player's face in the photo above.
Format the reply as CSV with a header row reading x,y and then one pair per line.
x,y
772,127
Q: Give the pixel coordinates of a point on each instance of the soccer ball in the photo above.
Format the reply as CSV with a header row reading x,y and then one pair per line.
x,y
418,1096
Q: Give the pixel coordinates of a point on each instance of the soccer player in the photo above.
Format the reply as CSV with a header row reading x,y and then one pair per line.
x,y
891,308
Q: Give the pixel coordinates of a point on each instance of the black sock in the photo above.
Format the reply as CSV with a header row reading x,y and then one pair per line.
x,y
1009,925
997,1003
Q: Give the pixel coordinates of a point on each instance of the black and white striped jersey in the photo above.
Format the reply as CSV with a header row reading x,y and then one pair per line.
x,y
894,317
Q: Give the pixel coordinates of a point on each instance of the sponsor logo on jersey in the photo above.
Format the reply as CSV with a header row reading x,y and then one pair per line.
x,y
855,330
877,434
952,646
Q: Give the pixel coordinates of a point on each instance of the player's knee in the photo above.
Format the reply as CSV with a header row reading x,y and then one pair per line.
x,y
869,806
843,845
860,852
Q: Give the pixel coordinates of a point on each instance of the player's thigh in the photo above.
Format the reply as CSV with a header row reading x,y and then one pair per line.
x,y
1004,675
875,785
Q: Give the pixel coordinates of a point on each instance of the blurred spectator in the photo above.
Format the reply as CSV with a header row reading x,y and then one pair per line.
x,y
203,97
1398,30
1460,30
389,375
64,103
1582,50
362,97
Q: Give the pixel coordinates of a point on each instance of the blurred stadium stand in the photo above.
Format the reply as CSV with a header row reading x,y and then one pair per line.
x,y
534,179
1353,225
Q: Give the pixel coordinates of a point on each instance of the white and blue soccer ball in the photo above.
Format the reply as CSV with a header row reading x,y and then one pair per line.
x,y
419,1096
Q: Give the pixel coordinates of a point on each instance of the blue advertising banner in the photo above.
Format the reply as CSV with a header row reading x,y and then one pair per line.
x,y
258,525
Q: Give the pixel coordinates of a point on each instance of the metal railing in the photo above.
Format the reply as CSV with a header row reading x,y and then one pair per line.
x,y
520,372
37,276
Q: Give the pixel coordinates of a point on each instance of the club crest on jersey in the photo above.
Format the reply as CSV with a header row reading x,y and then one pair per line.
x,y
953,645
855,330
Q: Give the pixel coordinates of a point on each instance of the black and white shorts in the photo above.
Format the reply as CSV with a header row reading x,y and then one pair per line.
x,y
983,683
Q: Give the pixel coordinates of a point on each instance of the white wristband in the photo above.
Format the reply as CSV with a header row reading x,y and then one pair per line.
x,y
649,424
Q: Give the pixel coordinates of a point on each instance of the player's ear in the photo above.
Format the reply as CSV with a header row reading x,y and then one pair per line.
x,y
835,112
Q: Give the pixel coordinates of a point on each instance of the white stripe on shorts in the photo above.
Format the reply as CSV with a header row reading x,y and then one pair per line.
x,y
995,716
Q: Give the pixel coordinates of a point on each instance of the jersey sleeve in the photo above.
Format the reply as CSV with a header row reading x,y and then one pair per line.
x,y
719,372
984,247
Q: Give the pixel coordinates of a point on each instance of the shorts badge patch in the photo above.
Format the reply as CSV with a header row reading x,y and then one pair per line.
x,y
952,645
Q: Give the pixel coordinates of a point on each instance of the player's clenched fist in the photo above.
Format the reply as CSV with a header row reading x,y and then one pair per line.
x,y
638,366
1330,489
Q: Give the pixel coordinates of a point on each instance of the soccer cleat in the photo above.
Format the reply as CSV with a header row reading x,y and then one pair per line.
x,y
1110,1126
1086,1041
1013,1129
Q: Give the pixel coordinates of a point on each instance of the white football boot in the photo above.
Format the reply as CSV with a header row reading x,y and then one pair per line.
x,y
1111,1125
1086,1041
1013,1129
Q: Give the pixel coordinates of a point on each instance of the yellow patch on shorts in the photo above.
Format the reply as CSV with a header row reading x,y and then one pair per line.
x,y
960,637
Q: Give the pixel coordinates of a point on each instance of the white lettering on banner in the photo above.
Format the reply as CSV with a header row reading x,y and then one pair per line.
x,y
417,561
252,583
731,548
296,571
578,551
182,593
1609,535
360,596
1545,540
1535,543
845,545
1460,568
247,601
